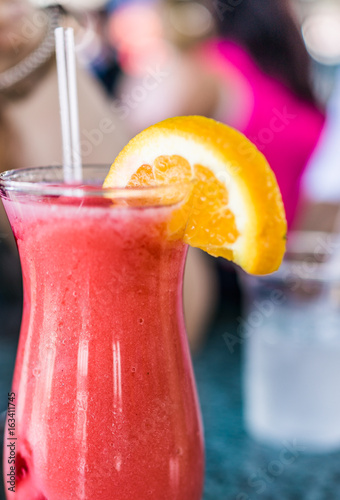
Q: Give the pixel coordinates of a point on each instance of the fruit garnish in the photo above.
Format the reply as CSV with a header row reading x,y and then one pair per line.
x,y
235,209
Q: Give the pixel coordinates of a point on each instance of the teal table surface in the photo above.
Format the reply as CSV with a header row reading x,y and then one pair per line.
x,y
237,468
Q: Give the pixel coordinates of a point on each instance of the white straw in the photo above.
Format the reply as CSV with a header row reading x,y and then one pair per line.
x,y
73,101
68,101
63,104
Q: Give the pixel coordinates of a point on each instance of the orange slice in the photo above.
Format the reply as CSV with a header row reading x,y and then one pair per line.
x,y
235,209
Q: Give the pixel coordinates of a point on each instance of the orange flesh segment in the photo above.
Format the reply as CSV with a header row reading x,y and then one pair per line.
x,y
209,222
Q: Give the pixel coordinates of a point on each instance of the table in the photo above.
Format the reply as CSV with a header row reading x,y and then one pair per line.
x,y
237,468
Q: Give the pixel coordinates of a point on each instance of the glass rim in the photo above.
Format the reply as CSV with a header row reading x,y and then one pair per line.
x,y
11,182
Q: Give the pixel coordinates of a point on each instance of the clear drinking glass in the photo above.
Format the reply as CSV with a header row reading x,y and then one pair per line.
x,y
292,347
104,393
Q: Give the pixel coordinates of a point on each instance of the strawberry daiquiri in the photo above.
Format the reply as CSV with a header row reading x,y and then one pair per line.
x,y
106,406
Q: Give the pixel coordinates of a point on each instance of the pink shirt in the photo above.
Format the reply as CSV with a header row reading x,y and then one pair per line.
x,y
285,128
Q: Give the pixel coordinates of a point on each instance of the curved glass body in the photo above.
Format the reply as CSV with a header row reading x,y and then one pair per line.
x,y
106,405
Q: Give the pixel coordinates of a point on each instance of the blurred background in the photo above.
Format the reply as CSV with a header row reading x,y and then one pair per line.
x,y
272,70
121,41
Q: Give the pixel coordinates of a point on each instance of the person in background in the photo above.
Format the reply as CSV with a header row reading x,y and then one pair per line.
x,y
29,93
259,45
252,72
